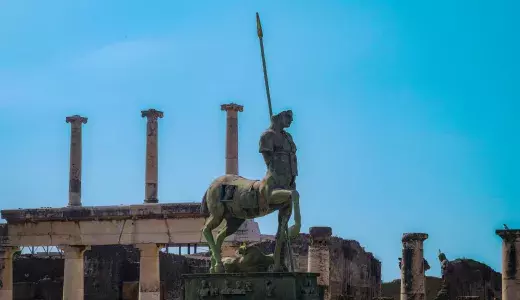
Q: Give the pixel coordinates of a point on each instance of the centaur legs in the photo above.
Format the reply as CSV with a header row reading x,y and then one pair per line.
x,y
291,197
286,198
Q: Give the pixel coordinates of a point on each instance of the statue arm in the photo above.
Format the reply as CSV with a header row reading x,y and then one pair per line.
x,y
266,147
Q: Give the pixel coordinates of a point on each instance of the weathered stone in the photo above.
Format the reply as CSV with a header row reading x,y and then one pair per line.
x,y
510,263
6,272
76,123
152,154
413,267
253,286
319,257
73,283
232,110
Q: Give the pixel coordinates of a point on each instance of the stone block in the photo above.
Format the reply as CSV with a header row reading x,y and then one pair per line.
x,y
252,286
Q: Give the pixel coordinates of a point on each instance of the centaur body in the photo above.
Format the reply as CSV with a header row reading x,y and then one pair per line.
x,y
234,199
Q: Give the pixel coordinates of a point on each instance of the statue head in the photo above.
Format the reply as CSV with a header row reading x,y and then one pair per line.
x,y
442,256
282,120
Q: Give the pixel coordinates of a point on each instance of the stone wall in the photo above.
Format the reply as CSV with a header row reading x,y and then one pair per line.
x,y
354,271
111,272
469,277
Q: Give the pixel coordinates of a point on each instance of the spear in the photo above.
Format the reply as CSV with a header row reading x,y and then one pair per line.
x,y
261,38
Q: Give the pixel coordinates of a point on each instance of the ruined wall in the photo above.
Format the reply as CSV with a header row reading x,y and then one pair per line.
x,y
111,272
354,272
469,278
472,278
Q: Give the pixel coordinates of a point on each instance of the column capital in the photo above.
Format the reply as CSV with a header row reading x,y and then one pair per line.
x,y
152,114
6,252
414,236
508,234
76,119
144,247
232,107
73,251
320,235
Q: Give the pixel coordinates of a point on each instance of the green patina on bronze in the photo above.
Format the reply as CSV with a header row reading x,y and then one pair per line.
x,y
248,260
446,268
252,286
234,199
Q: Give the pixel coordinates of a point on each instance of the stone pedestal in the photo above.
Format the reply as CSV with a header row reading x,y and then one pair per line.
x,y
149,272
232,110
73,275
6,272
152,155
252,286
319,257
413,281
510,263
76,123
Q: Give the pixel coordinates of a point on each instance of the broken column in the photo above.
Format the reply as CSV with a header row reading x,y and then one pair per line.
x,y
149,272
6,272
73,275
319,256
152,168
413,280
510,263
76,123
232,110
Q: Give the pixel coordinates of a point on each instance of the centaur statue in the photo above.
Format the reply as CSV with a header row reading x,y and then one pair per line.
x,y
234,198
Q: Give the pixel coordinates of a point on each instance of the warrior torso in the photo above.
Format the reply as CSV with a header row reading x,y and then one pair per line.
x,y
283,150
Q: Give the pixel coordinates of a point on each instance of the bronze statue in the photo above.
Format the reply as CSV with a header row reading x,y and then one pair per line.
x,y
446,268
234,198
248,259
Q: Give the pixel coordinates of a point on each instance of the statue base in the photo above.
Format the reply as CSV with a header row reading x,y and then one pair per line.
x,y
252,286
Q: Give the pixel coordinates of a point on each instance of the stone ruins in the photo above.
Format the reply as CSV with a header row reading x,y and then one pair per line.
x,y
123,252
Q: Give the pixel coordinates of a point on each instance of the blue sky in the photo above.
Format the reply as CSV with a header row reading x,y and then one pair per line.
x,y
405,112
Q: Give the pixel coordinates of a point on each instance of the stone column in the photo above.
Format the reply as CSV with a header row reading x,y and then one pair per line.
x,y
232,110
152,155
413,280
510,263
6,272
149,272
319,256
76,123
73,275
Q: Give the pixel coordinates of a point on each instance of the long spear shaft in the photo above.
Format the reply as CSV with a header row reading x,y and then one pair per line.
x,y
261,38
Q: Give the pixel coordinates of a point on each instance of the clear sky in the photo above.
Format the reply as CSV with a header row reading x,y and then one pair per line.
x,y
405,112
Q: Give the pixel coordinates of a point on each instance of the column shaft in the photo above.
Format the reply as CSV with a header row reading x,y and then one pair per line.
x,y
510,263
319,257
152,155
149,272
232,110
76,123
73,275
6,272
413,281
